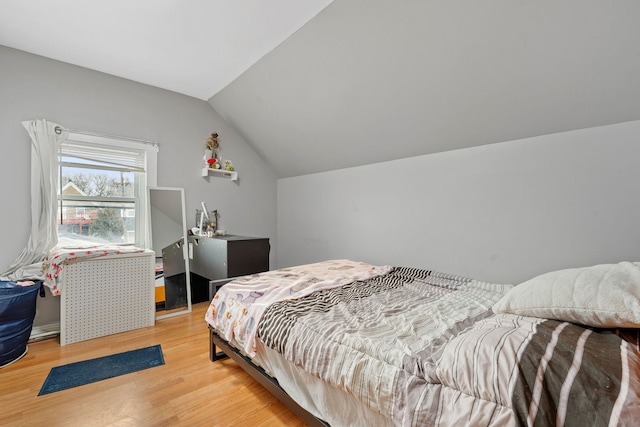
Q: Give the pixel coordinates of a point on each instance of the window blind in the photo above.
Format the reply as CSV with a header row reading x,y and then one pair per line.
x,y
78,154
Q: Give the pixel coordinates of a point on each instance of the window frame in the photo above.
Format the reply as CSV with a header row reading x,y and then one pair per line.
x,y
150,150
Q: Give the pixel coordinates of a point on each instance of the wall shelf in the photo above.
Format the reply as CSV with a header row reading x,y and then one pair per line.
x,y
219,172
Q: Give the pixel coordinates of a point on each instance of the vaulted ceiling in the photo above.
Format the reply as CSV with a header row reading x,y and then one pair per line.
x,y
194,47
322,85
369,81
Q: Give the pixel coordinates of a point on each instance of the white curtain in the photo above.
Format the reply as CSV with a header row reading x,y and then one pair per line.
x,y
45,143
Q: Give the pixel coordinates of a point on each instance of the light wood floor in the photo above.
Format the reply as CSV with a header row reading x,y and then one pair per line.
x,y
188,390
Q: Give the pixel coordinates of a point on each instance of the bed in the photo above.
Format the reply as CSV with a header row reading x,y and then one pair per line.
x,y
349,343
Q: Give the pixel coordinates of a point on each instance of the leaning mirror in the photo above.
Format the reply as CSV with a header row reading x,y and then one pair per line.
x,y
168,237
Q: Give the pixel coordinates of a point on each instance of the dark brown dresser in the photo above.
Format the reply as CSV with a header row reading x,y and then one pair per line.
x,y
222,257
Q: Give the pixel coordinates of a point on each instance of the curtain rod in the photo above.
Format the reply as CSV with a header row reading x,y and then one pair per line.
x,y
59,129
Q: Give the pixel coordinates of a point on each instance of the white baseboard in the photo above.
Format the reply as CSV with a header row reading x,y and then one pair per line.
x,y
45,331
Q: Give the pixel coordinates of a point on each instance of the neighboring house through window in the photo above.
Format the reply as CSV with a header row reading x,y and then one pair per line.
x,y
102,188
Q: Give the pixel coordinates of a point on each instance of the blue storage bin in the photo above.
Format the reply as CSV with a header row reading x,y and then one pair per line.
x,y
17,310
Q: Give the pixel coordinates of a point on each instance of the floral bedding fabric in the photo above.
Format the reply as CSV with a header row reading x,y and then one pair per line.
x,y
60,256
238,306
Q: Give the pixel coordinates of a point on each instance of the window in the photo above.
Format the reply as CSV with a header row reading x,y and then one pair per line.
x,y
102,189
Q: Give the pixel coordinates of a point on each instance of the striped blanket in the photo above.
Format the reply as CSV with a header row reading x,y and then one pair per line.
x,y
238,307
424,348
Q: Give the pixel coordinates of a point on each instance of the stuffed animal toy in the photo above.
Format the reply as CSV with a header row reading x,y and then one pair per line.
x,y
212,143
211,151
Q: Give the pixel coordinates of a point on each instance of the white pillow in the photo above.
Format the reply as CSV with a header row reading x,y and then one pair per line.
x,y
603,296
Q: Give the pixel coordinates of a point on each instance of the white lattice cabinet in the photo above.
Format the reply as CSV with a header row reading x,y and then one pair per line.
x,y
107,295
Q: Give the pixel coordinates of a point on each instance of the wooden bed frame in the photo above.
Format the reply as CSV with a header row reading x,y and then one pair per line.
x,y
260,375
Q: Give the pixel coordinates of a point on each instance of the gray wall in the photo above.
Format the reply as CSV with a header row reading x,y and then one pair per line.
x,y
502,212
32,87
369,81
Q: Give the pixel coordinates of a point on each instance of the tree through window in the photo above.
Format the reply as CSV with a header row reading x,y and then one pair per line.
x,y
101,192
